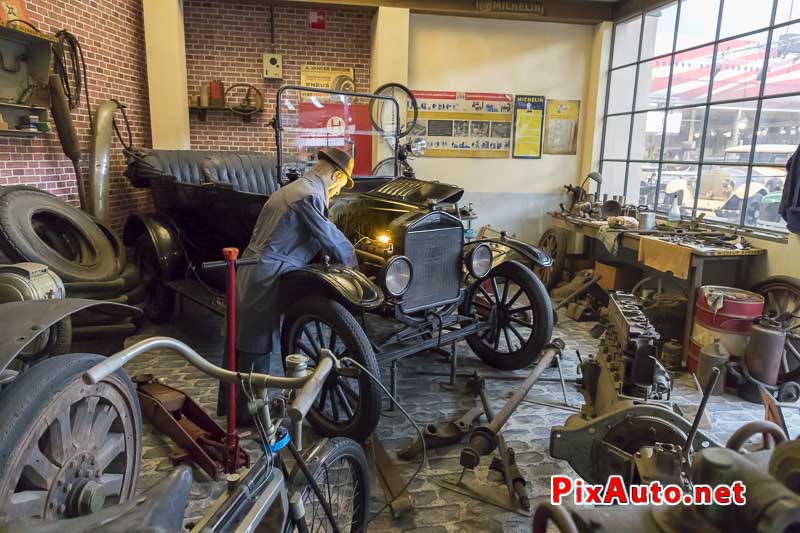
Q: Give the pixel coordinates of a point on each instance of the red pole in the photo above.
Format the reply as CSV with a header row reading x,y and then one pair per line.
x,y
230,255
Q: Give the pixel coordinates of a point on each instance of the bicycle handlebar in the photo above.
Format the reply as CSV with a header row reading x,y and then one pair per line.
x,y
310,383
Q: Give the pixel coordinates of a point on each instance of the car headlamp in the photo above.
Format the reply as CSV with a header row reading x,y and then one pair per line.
x,y
479,261
397,275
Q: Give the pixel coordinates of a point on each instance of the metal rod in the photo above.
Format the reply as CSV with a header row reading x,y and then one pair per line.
x,y
231,444
501,443
561,377
712,382
505,413
577,292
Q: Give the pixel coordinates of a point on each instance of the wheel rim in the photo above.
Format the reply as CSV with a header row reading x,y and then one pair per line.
x,y
147,261
782,303
552,247
506,310
338,401
343,489
81,455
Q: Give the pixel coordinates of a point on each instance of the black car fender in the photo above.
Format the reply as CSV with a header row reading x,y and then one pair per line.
x,y
165,238
507,249
24,321
342,283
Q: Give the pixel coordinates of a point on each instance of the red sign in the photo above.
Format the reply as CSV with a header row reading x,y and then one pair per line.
x,y
317,20
333,124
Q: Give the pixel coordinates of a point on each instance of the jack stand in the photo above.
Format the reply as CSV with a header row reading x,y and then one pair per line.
x,y
389,478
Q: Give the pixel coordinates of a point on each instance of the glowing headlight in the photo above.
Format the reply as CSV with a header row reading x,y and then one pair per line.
x,y
479,261
397,275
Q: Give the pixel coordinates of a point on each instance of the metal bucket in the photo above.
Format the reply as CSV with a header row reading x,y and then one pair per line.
x,y
712,356
765,352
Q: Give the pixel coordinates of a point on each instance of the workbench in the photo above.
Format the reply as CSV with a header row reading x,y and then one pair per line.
x,y
701,256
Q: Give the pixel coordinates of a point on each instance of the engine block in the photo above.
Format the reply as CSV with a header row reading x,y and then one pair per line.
x,y
626,366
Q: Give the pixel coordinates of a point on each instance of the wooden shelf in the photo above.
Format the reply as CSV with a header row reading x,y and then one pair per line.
x,y
22,133
202,112
23,106
10,33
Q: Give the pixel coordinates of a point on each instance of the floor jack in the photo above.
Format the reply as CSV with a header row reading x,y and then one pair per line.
x,y
486,438
179,417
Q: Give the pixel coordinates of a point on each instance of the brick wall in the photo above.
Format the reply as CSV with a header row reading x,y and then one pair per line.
x,y
111,33
226,40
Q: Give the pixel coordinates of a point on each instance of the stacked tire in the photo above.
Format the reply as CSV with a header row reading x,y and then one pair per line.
x,y
37,227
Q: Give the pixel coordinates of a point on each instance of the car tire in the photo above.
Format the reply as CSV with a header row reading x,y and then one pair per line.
x,y
159,301
31,409
37,227
318,317
536,307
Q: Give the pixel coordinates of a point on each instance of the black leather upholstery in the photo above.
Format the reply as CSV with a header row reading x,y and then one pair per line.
x,y
244,171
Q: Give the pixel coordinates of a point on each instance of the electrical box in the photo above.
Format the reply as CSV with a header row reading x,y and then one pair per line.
x,y
273,66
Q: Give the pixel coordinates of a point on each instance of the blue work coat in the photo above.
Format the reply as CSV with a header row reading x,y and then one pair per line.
x,y
292,228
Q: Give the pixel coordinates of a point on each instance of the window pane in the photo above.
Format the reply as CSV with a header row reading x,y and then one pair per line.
x,y
698,24
626,41
616,139
684,130
721,193
787,10
742,16
613,178
651,89
730,132
659,31
677,182
783,72
691,73
646,138
642,179
738,69
620,92
765,198
778,134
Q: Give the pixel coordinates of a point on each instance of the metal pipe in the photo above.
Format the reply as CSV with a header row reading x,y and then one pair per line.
x,y
231,438
98,186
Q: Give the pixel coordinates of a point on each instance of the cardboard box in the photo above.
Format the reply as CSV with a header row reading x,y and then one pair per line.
x,y
617,276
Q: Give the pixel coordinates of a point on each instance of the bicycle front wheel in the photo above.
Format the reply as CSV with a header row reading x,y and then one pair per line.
x,y
340,470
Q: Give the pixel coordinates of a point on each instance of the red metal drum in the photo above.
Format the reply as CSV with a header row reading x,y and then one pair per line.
x,y
723,313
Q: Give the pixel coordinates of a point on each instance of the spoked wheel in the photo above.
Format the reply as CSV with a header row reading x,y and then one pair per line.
x,y
346,406
782,303
67,448
553,242
340,470
159,303
516,315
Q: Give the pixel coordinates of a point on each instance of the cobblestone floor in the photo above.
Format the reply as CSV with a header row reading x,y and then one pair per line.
x,y
436,509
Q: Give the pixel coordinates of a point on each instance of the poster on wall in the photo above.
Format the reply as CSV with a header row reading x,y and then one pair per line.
x,y
11,10
528,124
457,124
333,78
561,127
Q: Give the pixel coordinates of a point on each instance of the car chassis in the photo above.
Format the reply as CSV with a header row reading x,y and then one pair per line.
x,y
390,220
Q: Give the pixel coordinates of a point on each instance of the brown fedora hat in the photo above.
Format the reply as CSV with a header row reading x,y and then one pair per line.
x,y
340,160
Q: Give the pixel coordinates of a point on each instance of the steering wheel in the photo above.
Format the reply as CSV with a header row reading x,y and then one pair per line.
x,y
246,107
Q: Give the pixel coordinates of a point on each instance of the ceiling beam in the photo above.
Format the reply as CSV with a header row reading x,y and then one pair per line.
x,y
571,11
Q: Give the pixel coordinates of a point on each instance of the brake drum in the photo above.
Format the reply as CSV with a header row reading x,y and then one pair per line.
x,y
22,282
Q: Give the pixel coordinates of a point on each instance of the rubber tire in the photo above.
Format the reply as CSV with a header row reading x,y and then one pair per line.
x,y
405,129
159,304
22,402
543,313
127,281
352,335
20,242
330,452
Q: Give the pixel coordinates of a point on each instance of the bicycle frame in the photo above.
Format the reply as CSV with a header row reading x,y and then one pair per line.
x,y
264,484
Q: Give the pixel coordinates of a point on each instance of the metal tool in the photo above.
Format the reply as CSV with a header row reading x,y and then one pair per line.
x,y
443,433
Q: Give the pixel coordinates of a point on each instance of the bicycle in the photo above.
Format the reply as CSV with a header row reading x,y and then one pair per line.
x,y
328,466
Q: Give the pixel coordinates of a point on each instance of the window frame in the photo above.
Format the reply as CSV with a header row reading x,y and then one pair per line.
x,y
706,106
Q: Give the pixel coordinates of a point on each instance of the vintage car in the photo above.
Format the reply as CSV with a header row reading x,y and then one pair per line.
x,y
420,285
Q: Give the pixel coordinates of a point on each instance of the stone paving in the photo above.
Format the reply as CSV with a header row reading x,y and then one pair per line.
x,y
435,509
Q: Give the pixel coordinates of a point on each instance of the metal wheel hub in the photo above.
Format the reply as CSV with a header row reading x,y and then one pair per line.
x,y
75,491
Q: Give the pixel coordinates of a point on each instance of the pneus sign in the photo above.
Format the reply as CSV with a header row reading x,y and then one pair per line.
x,y
509,6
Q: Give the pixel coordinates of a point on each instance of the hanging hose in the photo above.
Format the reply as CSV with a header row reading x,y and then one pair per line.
x,y
70,63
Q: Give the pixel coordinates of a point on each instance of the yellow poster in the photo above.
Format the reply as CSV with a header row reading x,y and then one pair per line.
x,y
528,124
334,79
561,126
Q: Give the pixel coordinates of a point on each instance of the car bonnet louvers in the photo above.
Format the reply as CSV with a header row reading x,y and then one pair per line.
x,y
417,192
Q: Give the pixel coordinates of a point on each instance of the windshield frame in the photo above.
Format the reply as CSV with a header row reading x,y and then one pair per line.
x,y
278,125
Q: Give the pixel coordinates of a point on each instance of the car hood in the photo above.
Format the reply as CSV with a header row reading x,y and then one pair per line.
x,y
417,192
